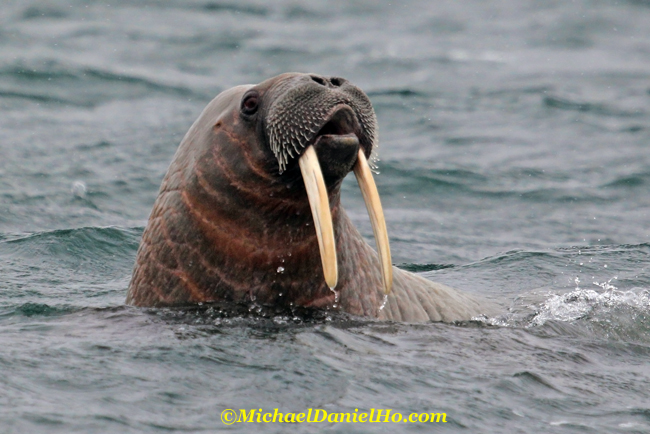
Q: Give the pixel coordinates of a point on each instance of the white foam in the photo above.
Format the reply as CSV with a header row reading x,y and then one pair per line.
x,y
570,306
581,302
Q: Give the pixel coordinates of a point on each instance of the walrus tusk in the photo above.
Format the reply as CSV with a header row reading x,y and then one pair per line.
x,y
371,197
320,210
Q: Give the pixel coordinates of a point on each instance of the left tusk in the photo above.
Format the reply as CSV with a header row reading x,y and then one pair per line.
x,y
371,197
320,210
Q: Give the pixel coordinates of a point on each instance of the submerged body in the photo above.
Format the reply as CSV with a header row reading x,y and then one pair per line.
x,y
233,222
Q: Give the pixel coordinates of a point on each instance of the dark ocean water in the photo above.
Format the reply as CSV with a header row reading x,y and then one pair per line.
x,y
514,165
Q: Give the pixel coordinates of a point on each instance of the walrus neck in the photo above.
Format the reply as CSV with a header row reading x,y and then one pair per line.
x,y
267,234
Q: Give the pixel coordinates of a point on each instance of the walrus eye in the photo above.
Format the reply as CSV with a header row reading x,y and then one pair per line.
x,y
249,104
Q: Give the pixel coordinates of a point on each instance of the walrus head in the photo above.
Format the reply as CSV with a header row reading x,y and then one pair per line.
x,y
327,127
260,165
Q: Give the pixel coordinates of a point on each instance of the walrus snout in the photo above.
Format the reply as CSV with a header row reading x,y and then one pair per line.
x,y
306,106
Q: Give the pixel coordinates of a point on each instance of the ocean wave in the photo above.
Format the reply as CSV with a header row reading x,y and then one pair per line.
x,y
97,248
37,97
421,268
32,309
57,83
634,180
405,178
600,309
40,12
591,304
234,7
398,92
47,271
602,109
531,185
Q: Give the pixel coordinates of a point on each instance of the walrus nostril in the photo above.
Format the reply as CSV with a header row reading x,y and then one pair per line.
x,y
336,81
319,80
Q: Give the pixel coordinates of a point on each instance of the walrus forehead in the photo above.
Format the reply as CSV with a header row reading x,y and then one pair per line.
x,y
224,103
281,83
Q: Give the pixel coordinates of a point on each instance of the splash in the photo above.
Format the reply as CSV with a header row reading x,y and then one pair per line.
x,y
584,303
603,303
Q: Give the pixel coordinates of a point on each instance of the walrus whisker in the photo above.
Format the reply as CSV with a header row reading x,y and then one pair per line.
x,y
376,213
320,209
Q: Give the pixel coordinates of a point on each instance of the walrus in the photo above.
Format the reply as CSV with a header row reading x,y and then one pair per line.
x,y
250,210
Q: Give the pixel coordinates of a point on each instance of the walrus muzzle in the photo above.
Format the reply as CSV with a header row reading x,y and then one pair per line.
x,y
333,119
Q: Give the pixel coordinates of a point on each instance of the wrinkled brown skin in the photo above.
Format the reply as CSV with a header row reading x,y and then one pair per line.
x,y
225,221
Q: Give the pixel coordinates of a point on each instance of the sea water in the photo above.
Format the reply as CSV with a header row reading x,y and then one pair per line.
x,y
514,165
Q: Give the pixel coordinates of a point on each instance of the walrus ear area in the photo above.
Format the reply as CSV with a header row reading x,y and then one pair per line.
x,y
250,103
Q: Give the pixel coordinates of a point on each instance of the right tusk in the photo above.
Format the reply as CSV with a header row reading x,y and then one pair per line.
x,y
320,210
373,204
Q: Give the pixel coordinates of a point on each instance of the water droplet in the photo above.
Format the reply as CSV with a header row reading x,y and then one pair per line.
x,y
383,304
336,295
78,189
280,269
